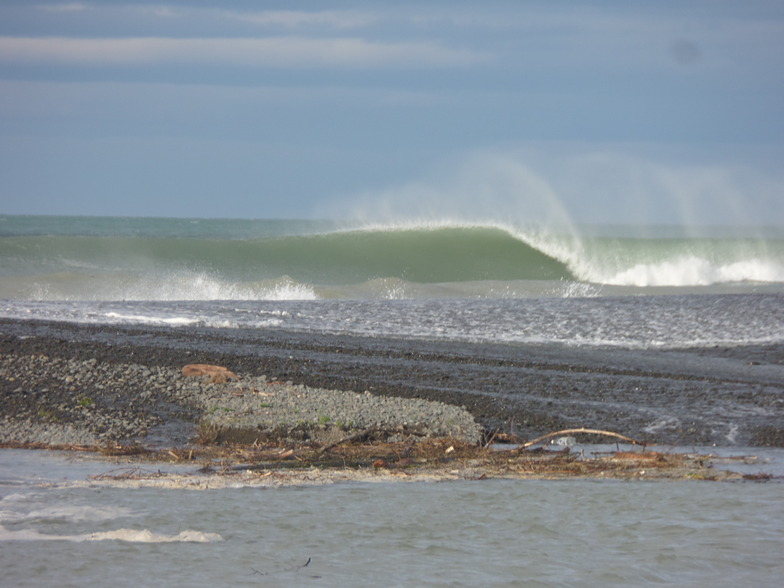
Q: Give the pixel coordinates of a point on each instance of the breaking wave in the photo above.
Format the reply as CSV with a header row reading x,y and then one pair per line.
x,y
291,260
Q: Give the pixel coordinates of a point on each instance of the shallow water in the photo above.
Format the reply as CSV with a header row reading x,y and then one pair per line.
x,y
491,533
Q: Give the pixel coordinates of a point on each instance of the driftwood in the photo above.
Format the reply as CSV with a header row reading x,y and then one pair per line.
x,y
133,473
580,430
353,437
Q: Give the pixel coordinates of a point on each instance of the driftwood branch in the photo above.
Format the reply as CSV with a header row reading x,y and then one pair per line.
x,y
580,430
347,439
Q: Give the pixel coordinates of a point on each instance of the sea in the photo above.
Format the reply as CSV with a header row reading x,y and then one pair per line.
x,y
603,287
627,286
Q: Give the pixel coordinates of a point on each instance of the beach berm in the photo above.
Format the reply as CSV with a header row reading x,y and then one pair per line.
x,y
60,401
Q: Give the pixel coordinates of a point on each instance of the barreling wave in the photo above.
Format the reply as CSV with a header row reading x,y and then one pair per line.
x,y
128,267
294,261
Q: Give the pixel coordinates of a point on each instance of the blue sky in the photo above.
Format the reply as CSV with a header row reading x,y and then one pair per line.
x,y
633,111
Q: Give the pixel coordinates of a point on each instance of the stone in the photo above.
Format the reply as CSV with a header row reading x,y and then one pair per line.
x,y
216,373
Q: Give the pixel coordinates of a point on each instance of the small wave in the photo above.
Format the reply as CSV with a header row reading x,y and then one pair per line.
x,y
127,535
146,536
65,513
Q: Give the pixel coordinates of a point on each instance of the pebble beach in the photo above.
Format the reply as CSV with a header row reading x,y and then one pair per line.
x,y
56,401
71,384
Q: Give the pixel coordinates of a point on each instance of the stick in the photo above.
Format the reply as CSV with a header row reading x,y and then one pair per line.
x,y
490,441
580,430
352,437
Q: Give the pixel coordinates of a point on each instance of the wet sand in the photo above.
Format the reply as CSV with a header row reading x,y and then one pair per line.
x,y
699,396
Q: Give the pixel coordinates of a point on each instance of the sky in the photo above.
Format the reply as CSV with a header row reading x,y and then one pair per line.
x,y
598,112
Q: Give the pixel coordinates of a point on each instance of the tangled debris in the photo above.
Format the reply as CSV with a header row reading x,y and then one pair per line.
x,y
412,459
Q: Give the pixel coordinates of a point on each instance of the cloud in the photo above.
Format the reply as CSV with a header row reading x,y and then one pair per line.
x,y
685,52
70,7
286,19
338,19
177,102
284,51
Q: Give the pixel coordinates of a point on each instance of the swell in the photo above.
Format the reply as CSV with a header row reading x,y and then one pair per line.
x,y
296,260
416,255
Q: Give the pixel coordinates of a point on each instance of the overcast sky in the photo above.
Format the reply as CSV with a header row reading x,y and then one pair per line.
x,y
635,111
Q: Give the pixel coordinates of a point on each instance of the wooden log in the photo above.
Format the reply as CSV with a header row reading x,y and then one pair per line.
x,y
580,430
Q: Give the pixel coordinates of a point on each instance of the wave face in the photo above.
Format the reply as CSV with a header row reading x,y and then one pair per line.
x,y
62,258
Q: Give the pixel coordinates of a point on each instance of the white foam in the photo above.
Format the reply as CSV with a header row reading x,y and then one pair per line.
x,y
695,271
176,286
578,290
65,513
147,536
732,434
138,318
289,291
664,423
128,535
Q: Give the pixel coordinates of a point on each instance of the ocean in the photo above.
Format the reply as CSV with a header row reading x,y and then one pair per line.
x,y
617,286
627,297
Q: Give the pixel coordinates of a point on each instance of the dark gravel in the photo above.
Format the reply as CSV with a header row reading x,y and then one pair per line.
x,y
57,400
720,396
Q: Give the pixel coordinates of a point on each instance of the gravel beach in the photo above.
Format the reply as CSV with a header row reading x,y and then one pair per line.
x,y
65,383
57,401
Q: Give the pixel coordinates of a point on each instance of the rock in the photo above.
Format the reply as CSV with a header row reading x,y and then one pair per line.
x,y
217,374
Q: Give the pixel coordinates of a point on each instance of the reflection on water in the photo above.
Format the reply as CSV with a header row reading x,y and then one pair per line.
x,y
491,532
